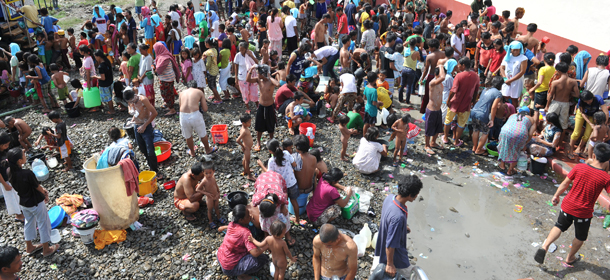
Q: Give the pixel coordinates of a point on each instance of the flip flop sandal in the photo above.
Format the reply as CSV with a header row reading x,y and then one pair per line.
x,y
56,246
459,143
430,151
395,164
222,221
19,220
539,257
257,148
213,225
213,150
38,249
216,102
330,120
438,147
578,258
483,154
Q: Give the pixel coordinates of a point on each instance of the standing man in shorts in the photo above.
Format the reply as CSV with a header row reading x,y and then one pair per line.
x,y
465,85
588,180
434,54
139,4
191,119
265,114
560,91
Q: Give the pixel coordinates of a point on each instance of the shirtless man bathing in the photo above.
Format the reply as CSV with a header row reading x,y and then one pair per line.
x,y
191,119
334,253
186,198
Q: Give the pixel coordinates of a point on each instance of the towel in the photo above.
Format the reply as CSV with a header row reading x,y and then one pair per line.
x,y
70,202
130,174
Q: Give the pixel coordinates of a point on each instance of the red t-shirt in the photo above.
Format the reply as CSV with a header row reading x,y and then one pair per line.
x,y
465,85
588,184
343,23
283,93
496,60
485,53
83,42
234,246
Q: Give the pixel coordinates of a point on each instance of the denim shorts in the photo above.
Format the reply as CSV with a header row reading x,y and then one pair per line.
x,y
138,10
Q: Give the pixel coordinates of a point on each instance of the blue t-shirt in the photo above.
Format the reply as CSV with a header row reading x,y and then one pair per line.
x,y
482,108
47,22
393,232
149,28
352,46
371,96
40,48
350,9
590,109
45,76
309,72
529,54
189,42
376,27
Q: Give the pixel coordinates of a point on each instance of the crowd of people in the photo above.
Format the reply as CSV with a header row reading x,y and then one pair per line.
x,y
479,72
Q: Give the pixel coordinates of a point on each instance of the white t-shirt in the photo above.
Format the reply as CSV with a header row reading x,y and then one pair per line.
x,y
290,23
145,66
89,65
349,83
242,63
15,63
326,51
368,156
286,170
216,32
175,16
457,43
597,81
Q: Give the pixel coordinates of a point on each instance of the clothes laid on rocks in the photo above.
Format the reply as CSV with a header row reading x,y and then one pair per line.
x,y
101,238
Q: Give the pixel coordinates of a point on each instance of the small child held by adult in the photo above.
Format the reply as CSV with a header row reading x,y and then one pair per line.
x,y
245,141
600,131
280,74
22,127
295,113
61,133
212,194
401,127
345,135
278,247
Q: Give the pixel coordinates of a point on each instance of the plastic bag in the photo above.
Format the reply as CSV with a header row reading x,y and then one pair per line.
x,y
422,89
379,274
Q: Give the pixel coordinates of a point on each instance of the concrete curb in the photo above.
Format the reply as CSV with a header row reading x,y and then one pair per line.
x,y
562,169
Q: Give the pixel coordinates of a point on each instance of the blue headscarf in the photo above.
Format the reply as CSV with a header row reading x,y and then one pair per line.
x,y
514,45
199,16
524,109
213,18
408,51
156,19
581,66
117,10
14,48
449,65
189,42
102,13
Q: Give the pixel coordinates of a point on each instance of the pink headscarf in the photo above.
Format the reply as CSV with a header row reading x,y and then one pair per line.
x,y
146,14
115,46
164,58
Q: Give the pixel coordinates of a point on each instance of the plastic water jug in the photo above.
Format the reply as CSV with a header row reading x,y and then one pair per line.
x,y
522,162
322,111
361,244
366,232
40,170
374,241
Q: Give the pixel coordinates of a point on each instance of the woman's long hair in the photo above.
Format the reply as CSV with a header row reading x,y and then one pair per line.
x,y
276,149
13,156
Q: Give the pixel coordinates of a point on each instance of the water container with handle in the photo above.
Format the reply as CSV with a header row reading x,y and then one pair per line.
x,y
522,162
361,244
92,97
40,170
374,240
366,232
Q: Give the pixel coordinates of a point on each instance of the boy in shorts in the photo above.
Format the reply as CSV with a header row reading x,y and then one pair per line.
x,y
60,84
434,114
588,180
370,95
64,143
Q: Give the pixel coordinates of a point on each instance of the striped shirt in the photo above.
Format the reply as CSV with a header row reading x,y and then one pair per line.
x,y
588,183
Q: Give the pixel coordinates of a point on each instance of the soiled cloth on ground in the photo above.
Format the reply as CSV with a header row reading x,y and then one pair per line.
x,y
130,174
70,202
101,238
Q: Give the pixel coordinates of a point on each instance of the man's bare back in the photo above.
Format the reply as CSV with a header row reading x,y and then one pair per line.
x,y
305,175
532,43
474,30
431,61
345,58
63,42
23,127
191,99
444,26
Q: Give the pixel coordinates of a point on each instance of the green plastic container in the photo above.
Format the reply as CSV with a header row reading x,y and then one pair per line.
x,y
92,97
350,210
490,151
157,150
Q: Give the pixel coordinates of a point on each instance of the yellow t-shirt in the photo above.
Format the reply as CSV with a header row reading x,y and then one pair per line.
x,y
364,16
290,4
547,72
383,95
31,13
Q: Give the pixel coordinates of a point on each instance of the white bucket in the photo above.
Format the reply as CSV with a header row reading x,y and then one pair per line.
x,y
55,236
86,235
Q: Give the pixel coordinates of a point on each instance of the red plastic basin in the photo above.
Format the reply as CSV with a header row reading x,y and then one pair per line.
x,y
166,150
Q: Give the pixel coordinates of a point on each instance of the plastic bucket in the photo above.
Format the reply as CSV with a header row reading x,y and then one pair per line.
x,y
350,210
166,150
86,235
92,97
220,135
302,200
55,236
538,165
72,112
148,182
492,148
303,130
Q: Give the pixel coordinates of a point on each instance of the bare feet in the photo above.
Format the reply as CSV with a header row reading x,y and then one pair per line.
x,y
191,153
251,177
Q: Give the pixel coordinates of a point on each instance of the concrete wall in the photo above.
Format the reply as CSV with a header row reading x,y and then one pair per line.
x,y
565,22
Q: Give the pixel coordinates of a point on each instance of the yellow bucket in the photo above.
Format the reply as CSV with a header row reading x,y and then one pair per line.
x,y
148,182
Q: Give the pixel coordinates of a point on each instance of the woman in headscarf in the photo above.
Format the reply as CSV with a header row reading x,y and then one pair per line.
x,y
513,68
168,71
149,27
515,134
100,19
14,61
213,23
582,61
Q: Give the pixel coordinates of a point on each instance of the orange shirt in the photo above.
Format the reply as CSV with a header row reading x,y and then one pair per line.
x,y
383,84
